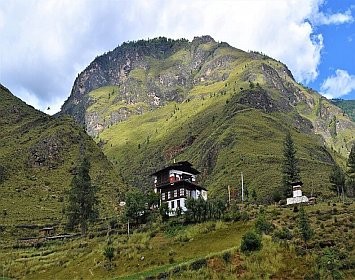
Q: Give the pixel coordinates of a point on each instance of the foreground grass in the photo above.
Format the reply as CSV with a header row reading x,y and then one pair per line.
x,y
208,250
83,258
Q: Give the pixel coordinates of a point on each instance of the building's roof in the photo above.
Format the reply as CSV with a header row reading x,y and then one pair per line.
x,y
181,166
182,182
298,183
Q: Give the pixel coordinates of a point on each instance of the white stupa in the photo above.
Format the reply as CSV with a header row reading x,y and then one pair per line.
x,y
297,196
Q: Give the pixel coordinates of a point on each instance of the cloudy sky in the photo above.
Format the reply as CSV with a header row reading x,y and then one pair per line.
x,y
44,44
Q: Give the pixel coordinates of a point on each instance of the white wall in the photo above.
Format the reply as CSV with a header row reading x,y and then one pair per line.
x,y
182,206
297,193
179,173
296,200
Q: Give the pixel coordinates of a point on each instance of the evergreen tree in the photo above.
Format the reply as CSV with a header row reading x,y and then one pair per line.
x,y
109,254
82,207
2,174
254,195
303,225
351,172
337,179
290,170
262,225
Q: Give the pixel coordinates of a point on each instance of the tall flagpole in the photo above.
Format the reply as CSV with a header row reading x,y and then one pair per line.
x,y
241,173
229,194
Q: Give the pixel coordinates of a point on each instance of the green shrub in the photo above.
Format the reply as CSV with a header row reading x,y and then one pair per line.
x,y
251,241
109,253
227,256
262,225
244,216
282,235
329,264
196,265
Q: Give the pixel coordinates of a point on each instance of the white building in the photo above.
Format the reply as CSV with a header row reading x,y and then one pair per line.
x,y
297,196
176,183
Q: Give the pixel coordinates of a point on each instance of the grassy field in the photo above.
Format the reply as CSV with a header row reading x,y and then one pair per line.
x,y
208,250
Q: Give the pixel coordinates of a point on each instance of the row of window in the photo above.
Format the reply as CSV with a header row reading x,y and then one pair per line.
x,y
171,194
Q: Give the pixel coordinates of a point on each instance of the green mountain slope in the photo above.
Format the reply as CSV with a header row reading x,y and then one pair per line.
x,y
348,106
227,111
38,157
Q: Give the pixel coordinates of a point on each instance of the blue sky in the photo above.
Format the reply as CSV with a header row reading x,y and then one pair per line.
x,y
46,43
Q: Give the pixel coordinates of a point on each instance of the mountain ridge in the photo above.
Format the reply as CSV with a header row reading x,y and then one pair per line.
x,y
167,105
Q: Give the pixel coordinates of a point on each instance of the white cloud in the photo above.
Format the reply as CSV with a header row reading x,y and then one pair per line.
x,y
45,42
338,85
320,18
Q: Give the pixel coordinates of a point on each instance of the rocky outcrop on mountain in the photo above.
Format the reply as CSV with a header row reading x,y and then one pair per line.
x,y
154,72
142,76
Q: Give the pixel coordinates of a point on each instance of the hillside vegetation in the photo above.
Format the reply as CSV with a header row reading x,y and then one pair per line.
x,y
38,158
348,106
148,103
172,250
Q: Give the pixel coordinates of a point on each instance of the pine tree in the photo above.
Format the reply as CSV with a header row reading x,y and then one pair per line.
x,y
2,174
337,179
82,207
290,170
303,225
351,172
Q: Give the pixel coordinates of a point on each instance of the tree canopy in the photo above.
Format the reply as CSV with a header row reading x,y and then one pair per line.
x,y
135,205
304,226
350,184
82,199
290,169
337,179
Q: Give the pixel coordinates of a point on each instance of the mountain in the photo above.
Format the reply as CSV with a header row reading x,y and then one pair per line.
x,y
227,111
348,106
38,158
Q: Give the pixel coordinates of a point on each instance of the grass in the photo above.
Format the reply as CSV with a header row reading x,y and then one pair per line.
x,y
156,137
33,194
206,123
210,253
101,96
83,257
211,128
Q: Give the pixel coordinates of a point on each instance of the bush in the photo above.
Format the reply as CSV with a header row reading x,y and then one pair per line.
x,y
282,234
244,216
251,241
109,253
262,225
329,264
196,265
227,256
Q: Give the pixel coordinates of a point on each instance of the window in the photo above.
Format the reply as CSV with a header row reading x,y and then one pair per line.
x,y
182,193
172,205
175,193
168,195
163,196
178,203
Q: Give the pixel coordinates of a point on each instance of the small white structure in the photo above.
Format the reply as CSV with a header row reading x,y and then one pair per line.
x,y
297,196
